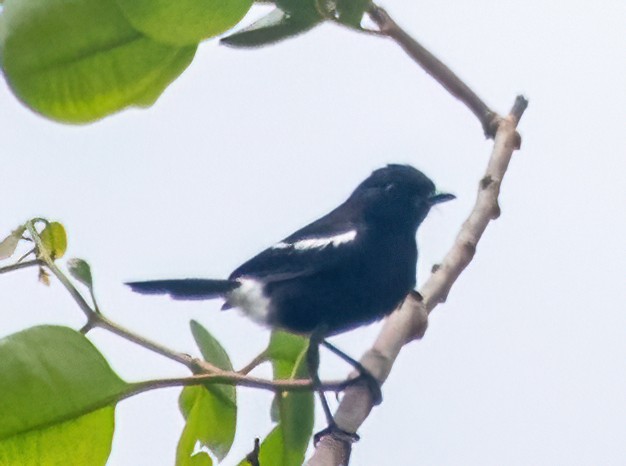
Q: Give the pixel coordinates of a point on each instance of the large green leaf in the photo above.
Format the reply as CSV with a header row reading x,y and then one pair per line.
x,y
210,411
183,22
274,27
52,381
82,441
79,60
287,443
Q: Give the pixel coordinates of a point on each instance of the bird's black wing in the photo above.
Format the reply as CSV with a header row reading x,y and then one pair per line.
x,y
323,244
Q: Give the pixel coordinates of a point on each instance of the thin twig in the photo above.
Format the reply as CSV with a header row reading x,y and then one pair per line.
x,y
257,361
45,258
96,319
433,66
194,364
410,321
20,265
235,379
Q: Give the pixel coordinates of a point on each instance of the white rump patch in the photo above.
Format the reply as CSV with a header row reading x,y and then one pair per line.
x,y
249,297
318,243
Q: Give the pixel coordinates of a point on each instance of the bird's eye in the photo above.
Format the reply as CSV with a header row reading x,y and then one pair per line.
x,y
390,188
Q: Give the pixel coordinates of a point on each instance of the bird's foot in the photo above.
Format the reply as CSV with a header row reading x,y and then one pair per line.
x,y
336,432
372,384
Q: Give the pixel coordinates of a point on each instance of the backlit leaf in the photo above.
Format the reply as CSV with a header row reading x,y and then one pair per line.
x,y
183,22
210,411
57,396
79,60
9,244
54,239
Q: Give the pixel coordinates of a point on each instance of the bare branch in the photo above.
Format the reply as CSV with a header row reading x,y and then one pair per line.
x,y
257,361
410,321
433,66
233,378
20,265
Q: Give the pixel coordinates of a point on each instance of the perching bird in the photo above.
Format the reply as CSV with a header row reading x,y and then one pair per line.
x,y
349,268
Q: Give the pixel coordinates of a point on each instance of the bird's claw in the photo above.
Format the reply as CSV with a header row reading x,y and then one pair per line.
x,y
336,432
372,384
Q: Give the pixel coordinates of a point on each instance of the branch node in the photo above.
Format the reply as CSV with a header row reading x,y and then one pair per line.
x,y
381,18
435,267
470,247
88,326
490,121
444,296
486,181
495,212
517,141
197,365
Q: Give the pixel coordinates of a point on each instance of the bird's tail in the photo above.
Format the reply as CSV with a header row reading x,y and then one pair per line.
x,y
186,289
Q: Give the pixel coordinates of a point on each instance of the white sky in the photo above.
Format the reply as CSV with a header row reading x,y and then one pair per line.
x,y
524,365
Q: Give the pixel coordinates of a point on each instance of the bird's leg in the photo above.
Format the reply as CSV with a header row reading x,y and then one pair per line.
x,y
313,362
366,376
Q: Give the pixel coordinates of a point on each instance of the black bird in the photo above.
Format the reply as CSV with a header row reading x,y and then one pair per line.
x,y
349,268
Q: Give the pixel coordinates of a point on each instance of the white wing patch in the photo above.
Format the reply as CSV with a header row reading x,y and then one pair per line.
x,y
318,243
249,297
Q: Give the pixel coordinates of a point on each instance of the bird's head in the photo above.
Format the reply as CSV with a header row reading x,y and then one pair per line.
x,y
397,195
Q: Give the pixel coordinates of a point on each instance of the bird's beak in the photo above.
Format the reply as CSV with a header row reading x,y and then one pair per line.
x,y
438,198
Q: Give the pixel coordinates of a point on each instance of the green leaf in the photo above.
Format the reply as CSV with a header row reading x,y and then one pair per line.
x,y
9,244
82,441
213,352
210,348
350,12
274,450
79,60
54,239
285,349
81,271
210,411
200,459
287,443
273,27
55,388
309,9
183,22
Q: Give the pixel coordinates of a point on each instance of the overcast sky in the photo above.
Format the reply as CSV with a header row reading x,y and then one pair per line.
x,y
525,363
